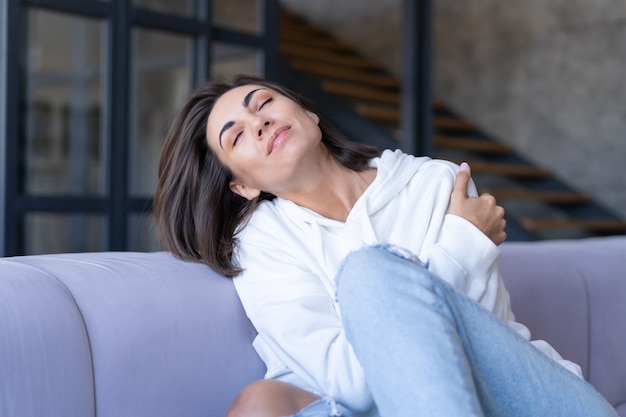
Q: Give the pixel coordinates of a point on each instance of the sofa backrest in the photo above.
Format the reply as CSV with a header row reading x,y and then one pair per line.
x,y
143,334
572,293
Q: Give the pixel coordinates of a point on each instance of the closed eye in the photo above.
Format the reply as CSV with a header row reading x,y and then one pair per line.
x,y
237,138
265,102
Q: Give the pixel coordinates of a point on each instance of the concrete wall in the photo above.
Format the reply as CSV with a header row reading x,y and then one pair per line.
x,y
546,76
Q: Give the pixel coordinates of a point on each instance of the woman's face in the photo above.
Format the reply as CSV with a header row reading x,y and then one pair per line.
x,y
264,138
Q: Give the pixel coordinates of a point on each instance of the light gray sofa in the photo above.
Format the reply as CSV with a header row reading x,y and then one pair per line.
x,y
142,334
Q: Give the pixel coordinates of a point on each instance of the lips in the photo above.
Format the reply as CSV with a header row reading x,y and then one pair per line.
x,y
276,138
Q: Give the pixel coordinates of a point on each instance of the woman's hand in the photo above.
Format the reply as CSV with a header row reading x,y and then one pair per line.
x,y
482,211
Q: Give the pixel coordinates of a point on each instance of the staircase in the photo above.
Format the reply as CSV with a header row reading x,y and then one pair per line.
x,y
538,205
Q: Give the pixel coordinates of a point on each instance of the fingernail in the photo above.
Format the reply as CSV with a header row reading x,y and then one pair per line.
x,y
464,166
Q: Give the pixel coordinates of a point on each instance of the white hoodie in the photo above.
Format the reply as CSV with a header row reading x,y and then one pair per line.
x,y
292,254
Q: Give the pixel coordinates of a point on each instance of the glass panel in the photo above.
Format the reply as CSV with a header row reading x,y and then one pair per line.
x,y
142,234
62,233
240,15
180,7
161,82
63,104
230,60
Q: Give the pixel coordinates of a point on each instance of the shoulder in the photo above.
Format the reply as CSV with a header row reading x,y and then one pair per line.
x,y
270,227
431,169
266,217
399,172
392,160
441,166
262,245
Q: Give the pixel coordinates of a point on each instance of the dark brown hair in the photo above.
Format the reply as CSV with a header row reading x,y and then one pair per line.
x,y
197,215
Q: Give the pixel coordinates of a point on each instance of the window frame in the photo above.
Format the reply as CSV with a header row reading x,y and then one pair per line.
x,y
119,17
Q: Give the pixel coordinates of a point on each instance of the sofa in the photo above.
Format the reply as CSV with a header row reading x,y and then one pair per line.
x,y
144,334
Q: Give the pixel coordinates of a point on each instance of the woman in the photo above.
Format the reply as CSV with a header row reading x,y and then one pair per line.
x,y
325,239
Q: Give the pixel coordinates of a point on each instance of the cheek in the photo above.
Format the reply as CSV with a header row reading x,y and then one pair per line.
x,y
316,132
243,164
310,128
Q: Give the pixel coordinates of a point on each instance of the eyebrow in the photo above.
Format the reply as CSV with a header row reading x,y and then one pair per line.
x,y
245,103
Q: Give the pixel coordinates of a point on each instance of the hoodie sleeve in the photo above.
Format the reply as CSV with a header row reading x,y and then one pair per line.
x,y
299,329
466,258
453,248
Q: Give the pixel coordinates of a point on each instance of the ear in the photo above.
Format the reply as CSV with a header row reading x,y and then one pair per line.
x,y
243,190
314,116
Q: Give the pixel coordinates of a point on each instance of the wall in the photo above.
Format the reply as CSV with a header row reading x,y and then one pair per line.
x,y
546,76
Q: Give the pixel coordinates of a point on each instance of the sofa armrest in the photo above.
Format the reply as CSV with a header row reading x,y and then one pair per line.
x,y
163,337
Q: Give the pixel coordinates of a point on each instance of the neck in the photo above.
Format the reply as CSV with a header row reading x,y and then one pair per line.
x,y
334,190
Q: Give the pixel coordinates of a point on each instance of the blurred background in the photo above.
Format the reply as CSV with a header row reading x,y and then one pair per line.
x,y
530,92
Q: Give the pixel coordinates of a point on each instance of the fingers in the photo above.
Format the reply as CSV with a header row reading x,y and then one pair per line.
x,y
462,180
482,211
495,226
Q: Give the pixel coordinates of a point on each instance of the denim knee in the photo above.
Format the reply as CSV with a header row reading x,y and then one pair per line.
x,y
367,272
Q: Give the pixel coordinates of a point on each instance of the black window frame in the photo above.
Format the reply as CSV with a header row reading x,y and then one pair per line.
x,y
120,18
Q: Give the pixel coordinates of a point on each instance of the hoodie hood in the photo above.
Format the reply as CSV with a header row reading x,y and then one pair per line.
x,y
331,240
394,170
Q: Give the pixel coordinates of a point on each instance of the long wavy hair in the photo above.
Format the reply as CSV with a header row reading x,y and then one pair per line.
x,y
197,215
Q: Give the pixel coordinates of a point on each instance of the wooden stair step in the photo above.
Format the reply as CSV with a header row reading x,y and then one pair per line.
x,y
391,114
333,72
470,144
380,113
297,22
302,26
452,123
363,92
512,170
299,29
439,105
315,54
556,197
288,14
315,42
598,225
371,93
294,21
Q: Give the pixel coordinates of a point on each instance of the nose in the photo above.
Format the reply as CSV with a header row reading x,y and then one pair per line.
x,y
265,124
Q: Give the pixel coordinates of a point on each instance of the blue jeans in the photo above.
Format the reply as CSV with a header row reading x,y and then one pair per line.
x,y
427,350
